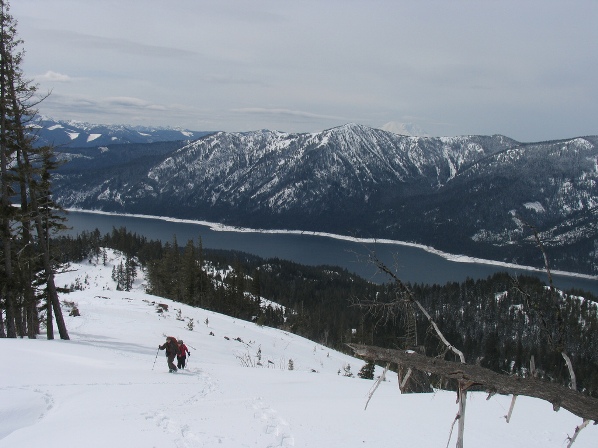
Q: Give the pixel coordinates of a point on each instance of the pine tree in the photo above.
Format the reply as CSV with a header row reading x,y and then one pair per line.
x,y
367,371
130,273
26,170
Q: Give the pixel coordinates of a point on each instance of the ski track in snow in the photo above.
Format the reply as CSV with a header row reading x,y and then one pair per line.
x,y
209,386
32,406
182,433
183,436
273,425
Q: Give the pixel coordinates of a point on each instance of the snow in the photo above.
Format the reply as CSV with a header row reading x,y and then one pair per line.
x,y
73,135
535,206
93,137
109,386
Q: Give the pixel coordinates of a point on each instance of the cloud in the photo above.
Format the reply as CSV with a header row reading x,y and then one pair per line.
x,y
53,77
134,103
119,44
523,69
117,110
286,112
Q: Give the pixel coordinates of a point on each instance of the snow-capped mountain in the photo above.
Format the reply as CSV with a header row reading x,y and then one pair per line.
x,y
75,134
470,194
409,129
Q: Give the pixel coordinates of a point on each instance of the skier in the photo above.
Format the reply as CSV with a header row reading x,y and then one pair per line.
x,y
172,350
182,356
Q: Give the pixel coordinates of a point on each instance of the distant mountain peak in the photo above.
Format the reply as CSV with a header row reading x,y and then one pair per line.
x,y
79,134
408,129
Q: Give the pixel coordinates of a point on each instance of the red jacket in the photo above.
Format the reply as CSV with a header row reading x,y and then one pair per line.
x,y
183,350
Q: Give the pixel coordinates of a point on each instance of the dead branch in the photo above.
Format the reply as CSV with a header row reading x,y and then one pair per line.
x,y
410,297
559,396
375,386
571,371
510,413
576,433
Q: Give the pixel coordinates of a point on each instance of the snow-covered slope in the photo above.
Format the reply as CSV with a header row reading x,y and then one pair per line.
x,y
109,386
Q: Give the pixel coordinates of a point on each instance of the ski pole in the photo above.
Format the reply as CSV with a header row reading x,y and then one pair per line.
x,y
156,358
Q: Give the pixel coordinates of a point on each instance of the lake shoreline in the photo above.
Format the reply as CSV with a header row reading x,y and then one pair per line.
x,y
217,227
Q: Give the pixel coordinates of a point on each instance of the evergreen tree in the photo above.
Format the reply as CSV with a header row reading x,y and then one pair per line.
x,y
130,273
26,170
367,371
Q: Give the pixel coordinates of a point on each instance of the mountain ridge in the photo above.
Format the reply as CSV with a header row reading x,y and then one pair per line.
x,y
463,194
79,134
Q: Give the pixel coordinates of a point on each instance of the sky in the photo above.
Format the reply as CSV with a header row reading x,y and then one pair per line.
x,y
109,386
522,69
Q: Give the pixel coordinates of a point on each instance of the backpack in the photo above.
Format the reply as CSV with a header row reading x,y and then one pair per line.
x,y
172,347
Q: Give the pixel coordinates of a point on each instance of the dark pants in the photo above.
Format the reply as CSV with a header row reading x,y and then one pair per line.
x,y
171,365
182,360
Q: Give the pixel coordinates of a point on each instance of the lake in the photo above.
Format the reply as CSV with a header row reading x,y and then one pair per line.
x,y
412,264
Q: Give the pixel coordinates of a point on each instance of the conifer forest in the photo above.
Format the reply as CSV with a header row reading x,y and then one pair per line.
x,y
501,321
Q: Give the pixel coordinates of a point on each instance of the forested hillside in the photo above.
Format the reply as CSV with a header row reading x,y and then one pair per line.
x,y
471,195
500,321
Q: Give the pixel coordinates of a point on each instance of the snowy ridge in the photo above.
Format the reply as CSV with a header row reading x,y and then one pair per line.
x,y
265,164
109,386
77,134
456,194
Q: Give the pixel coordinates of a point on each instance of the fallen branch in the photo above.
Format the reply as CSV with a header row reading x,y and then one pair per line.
x,y
577,431
560,396
510,413
375,386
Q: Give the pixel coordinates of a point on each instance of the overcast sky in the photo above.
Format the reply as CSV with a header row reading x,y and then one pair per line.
x,y
525,69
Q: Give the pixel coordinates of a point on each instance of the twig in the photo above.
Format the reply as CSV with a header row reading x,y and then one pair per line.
x,y
375,386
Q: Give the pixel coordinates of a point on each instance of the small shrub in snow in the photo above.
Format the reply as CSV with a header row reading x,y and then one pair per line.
x,y
347,371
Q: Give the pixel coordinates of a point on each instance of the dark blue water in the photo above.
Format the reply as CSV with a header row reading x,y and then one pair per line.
x,y
411,264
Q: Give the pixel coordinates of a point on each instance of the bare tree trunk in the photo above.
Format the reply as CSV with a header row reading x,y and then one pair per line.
x,y
49,319
559,396
11,331
462,403
32,319
53,294
29,301
18,310
6,233
2,329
